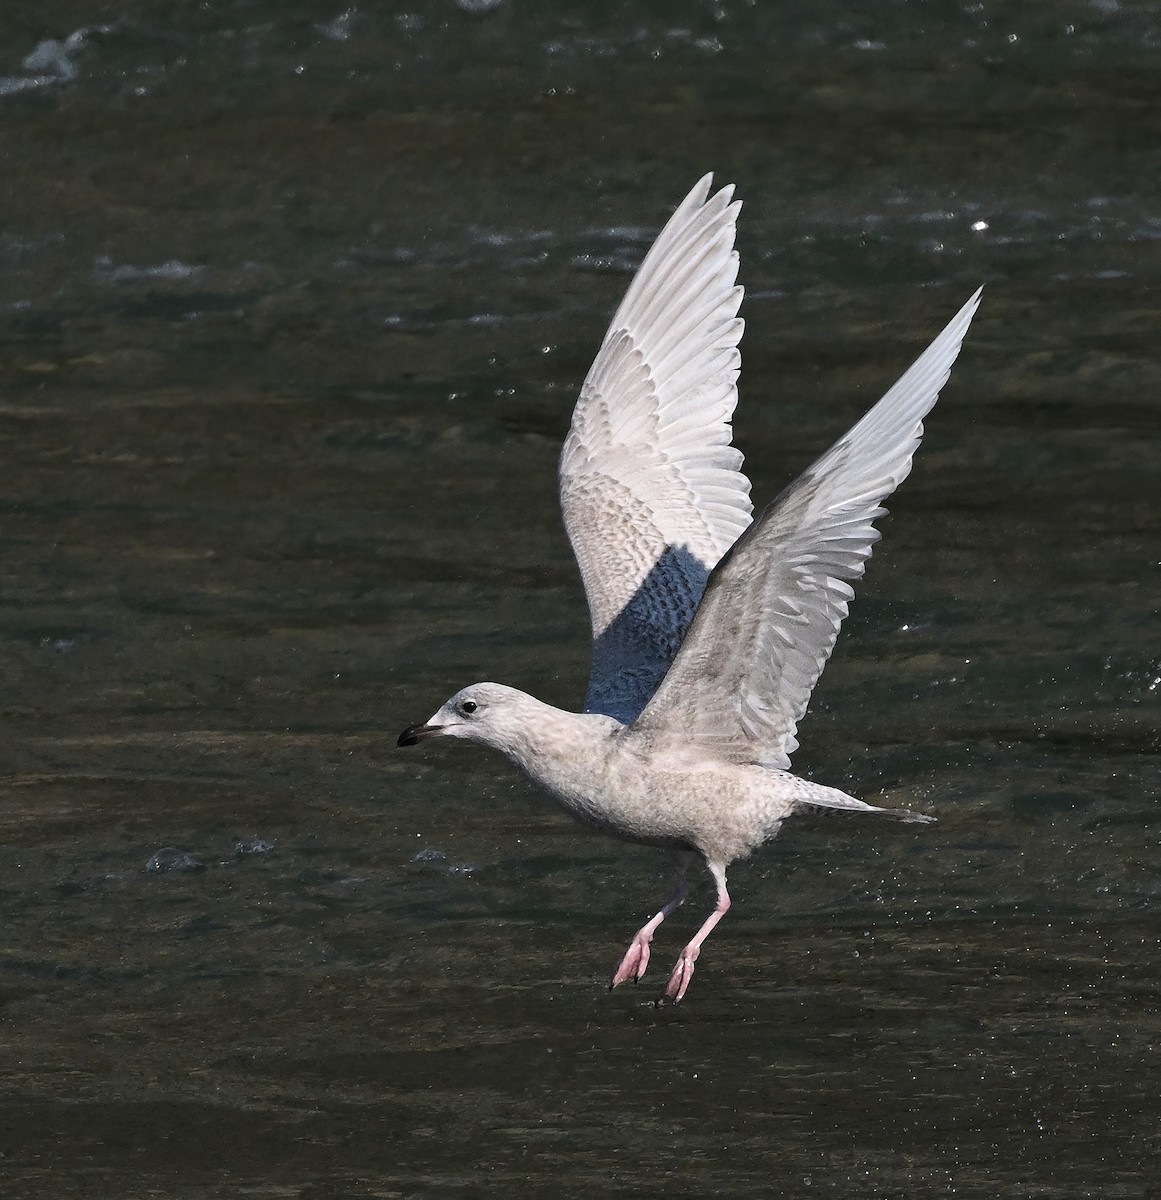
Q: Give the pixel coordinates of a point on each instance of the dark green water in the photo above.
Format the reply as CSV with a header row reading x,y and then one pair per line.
x,y
294,305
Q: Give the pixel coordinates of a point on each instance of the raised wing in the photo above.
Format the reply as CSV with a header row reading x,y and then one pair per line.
x,y
772,609
650,487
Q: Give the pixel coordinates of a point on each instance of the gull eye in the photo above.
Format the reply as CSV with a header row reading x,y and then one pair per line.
x,y
468,707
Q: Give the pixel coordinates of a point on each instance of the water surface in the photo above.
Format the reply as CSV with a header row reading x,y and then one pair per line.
x,y
295,303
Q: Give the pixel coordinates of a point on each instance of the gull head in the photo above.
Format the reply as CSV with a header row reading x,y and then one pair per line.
x,y
489,713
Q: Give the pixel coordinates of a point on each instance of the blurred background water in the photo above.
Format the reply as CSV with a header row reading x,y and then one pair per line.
x,y
295,300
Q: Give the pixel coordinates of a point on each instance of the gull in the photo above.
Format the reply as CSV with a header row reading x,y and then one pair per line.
x,y
710,627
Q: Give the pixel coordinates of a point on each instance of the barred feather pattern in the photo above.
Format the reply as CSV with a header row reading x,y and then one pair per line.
x,y
651,489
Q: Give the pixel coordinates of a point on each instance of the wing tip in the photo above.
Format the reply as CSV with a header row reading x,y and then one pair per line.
x,y
700,194
700,190
969,309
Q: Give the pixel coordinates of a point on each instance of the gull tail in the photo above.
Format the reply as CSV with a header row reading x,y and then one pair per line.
x,y
834,799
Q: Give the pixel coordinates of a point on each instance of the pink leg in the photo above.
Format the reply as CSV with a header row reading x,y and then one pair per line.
x,y
637,956
683,971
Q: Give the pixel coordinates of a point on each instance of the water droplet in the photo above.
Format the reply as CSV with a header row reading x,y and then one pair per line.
x,y
254,845
171,858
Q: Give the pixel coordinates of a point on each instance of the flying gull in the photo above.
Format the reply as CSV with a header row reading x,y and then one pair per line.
x,y
710,628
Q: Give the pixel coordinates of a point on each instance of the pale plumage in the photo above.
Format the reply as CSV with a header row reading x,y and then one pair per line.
x,y
769,620
650,488
709,631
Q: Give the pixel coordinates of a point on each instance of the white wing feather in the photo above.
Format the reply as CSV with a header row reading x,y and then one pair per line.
x,y
650,487
772,610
